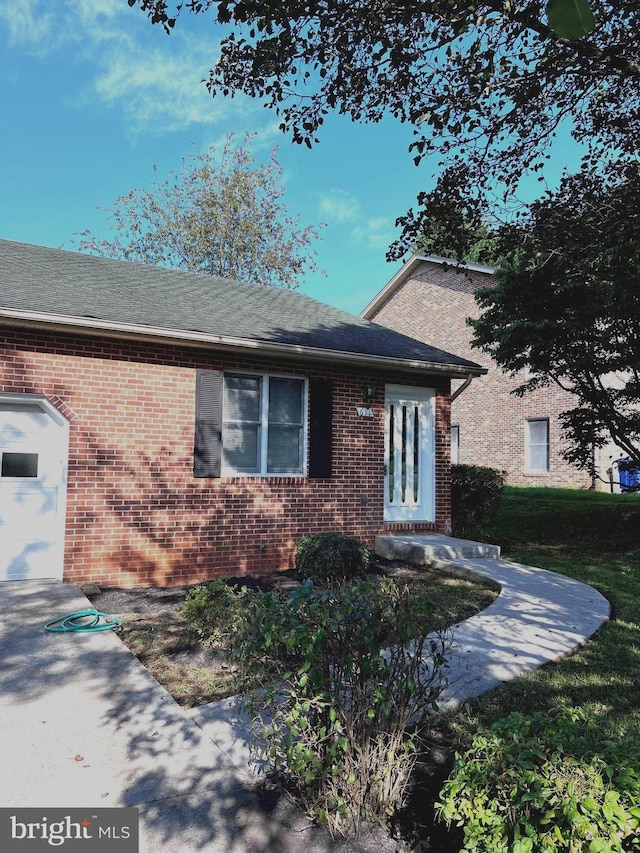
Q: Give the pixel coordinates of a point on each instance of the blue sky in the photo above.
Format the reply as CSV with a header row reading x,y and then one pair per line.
x,y
93,96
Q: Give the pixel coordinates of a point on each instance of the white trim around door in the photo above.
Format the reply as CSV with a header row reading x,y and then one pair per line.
x,y
409,483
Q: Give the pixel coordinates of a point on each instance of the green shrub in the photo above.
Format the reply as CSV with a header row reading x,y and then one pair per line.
x,y
475,496
353,695
530,784
331,557
216,610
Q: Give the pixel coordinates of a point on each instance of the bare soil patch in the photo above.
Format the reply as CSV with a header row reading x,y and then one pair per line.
x,y
196,673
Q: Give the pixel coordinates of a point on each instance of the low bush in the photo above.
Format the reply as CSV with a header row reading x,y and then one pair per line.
x,y
331,557
353,695
536,783
217,610
475,496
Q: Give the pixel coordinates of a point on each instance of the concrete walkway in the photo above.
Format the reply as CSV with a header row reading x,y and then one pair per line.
x,y
83,724
539,616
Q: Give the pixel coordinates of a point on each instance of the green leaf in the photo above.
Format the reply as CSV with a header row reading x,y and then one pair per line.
x,y
558,835
570,19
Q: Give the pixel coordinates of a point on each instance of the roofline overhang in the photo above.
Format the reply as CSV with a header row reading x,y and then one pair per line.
x,y
180,337
394,283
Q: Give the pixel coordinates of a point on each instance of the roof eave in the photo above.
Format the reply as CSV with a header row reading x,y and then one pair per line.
x,y
394,283
179,337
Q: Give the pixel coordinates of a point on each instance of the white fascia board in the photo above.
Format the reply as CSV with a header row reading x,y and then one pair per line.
x,y
394,283
180,337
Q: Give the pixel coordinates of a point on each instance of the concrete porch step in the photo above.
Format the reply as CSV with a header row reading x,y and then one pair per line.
x,y
426,549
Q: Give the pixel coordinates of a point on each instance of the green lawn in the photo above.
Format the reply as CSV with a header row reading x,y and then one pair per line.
x,y
595,538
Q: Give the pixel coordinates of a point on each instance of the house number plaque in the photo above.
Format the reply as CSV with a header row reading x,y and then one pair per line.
x,y
364,412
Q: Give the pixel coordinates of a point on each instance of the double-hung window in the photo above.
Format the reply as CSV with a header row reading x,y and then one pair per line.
x,y
537,445
263,424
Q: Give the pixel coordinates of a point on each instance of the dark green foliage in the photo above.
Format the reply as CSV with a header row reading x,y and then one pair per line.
x,y
566,304
475,496
488,87
486,84
537,783
331,557
570,19
354,690
217,610
457,235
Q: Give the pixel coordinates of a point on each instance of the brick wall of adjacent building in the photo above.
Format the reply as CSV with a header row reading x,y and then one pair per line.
x,y
137,516
432,305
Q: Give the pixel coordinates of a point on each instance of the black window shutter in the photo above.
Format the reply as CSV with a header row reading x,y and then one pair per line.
x,y
207,458
320,427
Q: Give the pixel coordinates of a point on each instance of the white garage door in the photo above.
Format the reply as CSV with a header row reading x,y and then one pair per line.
x,y
33,464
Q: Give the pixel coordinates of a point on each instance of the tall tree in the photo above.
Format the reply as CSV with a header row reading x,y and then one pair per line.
x,y
566,303
222,214
485,83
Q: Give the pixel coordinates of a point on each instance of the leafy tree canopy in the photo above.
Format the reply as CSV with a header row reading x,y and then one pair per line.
x,y
222,215
485,83
567,304
449,235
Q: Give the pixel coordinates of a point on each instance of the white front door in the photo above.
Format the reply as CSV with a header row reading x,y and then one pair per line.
x,y
409,488
33,465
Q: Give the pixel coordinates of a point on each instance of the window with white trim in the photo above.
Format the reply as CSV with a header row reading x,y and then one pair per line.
x,y
537,445
263,424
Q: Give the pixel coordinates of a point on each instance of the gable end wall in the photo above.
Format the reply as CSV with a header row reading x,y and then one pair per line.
x,y
432,306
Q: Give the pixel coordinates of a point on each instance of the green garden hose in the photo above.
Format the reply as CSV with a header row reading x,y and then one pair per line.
x,y
76,622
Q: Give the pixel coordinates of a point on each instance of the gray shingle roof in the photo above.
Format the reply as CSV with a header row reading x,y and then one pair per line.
x,y
67,285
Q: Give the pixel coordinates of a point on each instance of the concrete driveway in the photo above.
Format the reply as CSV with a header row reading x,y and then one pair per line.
x,y
83,724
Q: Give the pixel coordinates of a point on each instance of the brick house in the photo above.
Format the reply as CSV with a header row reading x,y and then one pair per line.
x,y
160,427
429,299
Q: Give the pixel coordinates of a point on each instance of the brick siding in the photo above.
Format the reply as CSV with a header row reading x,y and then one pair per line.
x,y
136,515
431,306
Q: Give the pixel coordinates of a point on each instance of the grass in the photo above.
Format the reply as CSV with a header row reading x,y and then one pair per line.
x,y
441,600
593,537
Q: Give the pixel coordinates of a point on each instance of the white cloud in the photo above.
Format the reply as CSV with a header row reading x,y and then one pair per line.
x,y
376,232
155,80
159,88
44,27
343,208
340,206
27,24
